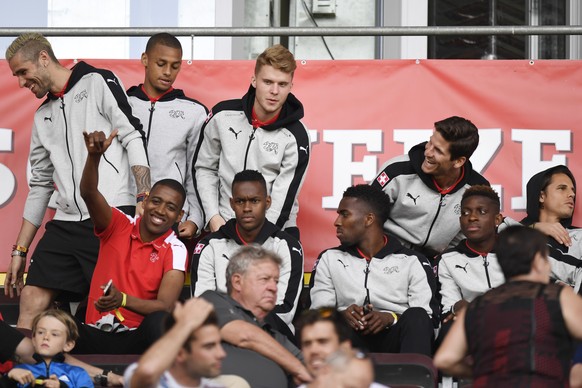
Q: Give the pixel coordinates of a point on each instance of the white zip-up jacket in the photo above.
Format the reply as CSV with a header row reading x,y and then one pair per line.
x,y
228,144
172,127
94,100
464,274
421,217
212,254
398,278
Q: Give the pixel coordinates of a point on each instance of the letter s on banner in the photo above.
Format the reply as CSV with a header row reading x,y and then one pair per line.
x,y
8,186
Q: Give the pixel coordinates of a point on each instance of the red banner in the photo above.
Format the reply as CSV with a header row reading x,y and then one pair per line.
x,y
360,114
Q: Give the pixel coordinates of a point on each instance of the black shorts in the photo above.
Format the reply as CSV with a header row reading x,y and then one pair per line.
x,y
65,258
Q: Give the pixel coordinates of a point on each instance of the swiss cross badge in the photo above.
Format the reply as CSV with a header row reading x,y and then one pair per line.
x,y
383,179
198,248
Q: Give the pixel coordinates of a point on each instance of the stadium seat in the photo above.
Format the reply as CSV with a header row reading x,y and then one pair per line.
x,y
404,370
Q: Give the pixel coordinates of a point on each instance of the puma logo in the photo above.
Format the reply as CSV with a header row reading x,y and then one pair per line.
x,y
301,148
461,267
235,133
49,118
112,80
345,265
413,198
297,249
226,257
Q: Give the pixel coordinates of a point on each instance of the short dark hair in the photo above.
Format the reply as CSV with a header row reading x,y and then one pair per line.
x,y
462,135
174,185
482,191
377,200
164,39
516,249
250,176
211,320
324,314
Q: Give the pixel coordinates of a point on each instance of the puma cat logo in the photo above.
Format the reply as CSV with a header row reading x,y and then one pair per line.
x,y
297,249
235,133
461,267
413,198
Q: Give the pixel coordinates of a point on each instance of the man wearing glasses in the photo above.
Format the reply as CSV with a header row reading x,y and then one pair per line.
x,y
384,291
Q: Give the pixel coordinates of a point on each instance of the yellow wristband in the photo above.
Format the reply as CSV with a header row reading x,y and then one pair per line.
x,y
19,248
123,303
119,316
393,316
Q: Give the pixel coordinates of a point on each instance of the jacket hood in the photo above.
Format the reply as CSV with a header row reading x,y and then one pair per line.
x,y
59,357
393,246
533,189
267,230
471,177
291,111
463,247
78,71
137,91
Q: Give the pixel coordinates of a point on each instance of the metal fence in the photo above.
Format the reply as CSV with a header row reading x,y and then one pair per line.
x,y
301,31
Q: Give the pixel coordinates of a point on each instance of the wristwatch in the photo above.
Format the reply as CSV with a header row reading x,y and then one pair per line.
x,y
101,380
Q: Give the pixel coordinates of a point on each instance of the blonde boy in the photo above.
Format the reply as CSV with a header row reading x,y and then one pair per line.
x,y
54,333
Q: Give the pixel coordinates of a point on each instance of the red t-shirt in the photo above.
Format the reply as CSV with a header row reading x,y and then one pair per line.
x,y
137,268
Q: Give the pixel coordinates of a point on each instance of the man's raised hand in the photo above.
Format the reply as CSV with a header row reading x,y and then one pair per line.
x,y
97,143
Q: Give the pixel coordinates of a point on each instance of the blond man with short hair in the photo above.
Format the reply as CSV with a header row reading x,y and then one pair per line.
x,y
83,98
261,131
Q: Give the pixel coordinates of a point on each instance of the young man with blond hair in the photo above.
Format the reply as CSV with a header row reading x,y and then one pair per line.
x,y
261,131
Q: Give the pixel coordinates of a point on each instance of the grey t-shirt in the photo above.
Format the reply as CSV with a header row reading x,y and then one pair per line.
x,y
258,370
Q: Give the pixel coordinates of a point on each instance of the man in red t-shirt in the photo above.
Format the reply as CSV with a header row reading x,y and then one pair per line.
x,y
140,270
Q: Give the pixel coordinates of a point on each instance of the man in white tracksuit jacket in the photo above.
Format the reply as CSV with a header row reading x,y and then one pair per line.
x,y
79,99
385,291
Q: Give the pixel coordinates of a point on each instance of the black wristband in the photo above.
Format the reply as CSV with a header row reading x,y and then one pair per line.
x,y
18,253
102,378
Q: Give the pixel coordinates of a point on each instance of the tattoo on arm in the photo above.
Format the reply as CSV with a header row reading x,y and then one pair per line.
x,y
142,178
